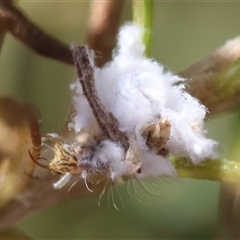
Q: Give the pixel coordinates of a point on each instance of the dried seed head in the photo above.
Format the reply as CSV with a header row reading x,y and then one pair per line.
x,y
157,135
64,161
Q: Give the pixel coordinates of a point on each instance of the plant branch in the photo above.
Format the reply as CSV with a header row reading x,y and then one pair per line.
x,y
12,20
2,36
106,121
215,170
214,80
143,16
2,31
38,194
228,211
103,26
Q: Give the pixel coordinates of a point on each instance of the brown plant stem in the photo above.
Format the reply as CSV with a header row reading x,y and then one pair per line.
x,y
2,32
103,26
2,36
106,121
38,195
206,77
229,211
12,20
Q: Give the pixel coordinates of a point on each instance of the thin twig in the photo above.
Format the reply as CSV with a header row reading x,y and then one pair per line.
x,y
107,122
2,36
2,31
16,23
103,26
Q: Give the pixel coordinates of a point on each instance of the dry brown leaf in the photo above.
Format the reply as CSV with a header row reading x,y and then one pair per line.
x,y
19,133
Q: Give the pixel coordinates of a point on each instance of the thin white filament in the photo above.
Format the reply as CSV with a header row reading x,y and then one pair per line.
x,y
74,184
85,176
113,200
103,192
145,188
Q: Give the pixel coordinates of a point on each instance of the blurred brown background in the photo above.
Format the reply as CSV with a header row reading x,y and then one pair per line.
x,y
183,33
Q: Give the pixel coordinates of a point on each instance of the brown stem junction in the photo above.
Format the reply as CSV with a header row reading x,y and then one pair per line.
x,y
17,24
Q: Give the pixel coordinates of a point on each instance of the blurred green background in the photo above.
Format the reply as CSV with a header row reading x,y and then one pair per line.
x,y
183,33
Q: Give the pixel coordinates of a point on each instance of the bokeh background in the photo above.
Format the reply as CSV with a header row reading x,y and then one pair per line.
x,y
183,33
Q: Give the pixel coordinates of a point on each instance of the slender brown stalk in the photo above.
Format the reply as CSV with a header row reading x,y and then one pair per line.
x,y
2,31
2,35
229,213
12,20
103,26
106,121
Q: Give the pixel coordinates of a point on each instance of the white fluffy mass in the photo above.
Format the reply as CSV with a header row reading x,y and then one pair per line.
x,y
137,91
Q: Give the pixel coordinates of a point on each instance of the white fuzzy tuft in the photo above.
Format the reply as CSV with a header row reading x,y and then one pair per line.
x,y
154,165
138,91
112,155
